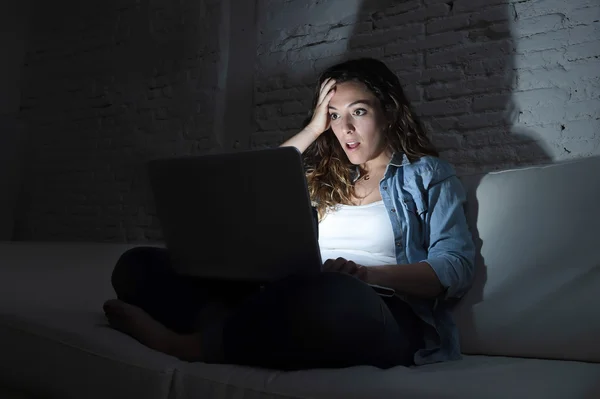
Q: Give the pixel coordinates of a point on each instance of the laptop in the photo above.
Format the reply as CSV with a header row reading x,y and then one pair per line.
x,y
243,216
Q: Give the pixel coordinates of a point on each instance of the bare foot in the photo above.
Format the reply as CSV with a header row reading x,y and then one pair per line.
x,y
135,322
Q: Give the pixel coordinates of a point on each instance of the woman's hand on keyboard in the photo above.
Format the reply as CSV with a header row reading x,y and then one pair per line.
x,y
342,265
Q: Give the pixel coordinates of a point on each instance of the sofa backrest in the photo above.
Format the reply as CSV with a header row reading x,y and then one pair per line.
x,y
57,275
536,292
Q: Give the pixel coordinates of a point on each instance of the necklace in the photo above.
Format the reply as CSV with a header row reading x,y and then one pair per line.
x,y
362,198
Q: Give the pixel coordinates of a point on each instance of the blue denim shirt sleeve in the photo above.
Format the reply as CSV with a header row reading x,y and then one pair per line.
x,y
451,251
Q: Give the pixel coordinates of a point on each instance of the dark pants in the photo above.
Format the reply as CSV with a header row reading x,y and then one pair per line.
x,y
328,320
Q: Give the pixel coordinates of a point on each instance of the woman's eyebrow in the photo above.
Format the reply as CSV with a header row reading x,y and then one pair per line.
x,y
366,102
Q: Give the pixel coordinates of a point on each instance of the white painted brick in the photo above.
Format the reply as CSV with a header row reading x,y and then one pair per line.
x,y
581,148
442,74
535,98
292,122
414,94
562,76
376,52
539,24
476,5
476,121
490,136
387,36
588,109
276,96
448,24
582,51
491,32
167,107
467,88
317,51
362,27
447,141
266,111
583,16
278,16
403,7
559,38
492,102
405,62
408,77
528,9
488,67
437,10
267,139
339,33
560,113
444,107
441,40
292,108
401,19
490,14
545,132
585,129
467,53
587,91
539,59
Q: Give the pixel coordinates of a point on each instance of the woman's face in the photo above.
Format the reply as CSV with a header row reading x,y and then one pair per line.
x,y
358,122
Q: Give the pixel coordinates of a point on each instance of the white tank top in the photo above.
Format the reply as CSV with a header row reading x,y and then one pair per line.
x,y
361,233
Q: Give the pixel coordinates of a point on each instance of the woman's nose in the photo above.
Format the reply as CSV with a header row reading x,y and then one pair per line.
x,y
348,125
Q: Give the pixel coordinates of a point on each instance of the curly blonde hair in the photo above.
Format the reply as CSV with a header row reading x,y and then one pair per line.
x,y
329,173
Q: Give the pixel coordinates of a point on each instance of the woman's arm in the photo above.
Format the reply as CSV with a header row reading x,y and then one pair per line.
x,y
415,279
319,122
302,140
449,267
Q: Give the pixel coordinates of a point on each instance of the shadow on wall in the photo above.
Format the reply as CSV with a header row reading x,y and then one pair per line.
x,y
458,71
455,60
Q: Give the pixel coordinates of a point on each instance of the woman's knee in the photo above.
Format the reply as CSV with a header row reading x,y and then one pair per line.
x,y
135,266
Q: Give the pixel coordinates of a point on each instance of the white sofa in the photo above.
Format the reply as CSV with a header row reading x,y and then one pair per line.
x,y
530,327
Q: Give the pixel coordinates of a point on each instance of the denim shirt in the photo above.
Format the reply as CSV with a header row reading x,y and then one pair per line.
x,y
424,200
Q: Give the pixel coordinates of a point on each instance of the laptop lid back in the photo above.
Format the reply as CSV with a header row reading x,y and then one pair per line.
x,y
241,216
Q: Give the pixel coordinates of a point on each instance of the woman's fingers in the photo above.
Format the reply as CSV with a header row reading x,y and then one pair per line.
x,y
349,267
326,90
334,265
341,265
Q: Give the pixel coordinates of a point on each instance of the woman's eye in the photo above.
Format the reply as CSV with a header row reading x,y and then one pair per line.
x,y
333,116
360,112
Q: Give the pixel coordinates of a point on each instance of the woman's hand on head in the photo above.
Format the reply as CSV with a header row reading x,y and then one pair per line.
x,y
320,120
341,265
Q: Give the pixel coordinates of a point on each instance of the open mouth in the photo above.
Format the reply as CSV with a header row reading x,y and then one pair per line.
x,y
352,145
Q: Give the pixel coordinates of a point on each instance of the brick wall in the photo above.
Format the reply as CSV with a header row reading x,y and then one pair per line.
x,y
109,85
498,83
13,34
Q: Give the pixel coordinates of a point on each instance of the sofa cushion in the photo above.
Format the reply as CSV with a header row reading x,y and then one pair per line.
x,y
57,275
538,275
54,339
74,354
472,377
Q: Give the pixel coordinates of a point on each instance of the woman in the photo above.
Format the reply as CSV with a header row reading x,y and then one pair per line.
x,y
390,213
